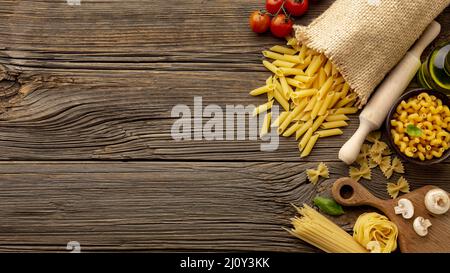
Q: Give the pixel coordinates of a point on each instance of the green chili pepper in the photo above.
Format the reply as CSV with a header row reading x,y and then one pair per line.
x,y
328,206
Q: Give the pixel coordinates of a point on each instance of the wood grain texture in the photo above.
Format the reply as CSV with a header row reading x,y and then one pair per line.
x,y
85,88
99,81
154,206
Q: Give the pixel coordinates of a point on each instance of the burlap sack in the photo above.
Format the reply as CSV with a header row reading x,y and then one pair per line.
x,y
367,38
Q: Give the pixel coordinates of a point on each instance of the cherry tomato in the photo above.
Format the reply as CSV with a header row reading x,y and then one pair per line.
x,y
296,7
273,6
281,26
259,22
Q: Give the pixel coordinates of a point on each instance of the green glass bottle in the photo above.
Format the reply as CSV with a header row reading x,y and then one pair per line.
x,y
435,71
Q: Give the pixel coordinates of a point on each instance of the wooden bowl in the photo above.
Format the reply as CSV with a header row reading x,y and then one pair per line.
x,y
406,96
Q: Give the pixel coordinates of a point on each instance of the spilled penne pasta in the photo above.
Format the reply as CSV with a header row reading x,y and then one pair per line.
x,y
314,95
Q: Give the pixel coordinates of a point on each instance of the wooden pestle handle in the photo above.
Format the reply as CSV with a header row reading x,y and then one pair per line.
x,y
390,89
348,192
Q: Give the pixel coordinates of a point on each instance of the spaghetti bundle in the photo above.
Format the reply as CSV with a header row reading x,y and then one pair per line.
x,y
317,230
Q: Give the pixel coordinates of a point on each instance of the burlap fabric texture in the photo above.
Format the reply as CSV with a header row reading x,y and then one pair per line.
x,y
367,38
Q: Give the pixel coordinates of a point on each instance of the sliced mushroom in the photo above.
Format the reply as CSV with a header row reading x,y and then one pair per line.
x,y
405,208
421,226
373,247
437,201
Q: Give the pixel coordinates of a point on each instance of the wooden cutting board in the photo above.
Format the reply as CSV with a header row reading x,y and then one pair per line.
x,y
348,192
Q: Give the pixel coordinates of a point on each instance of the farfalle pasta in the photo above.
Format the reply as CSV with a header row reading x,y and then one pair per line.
x,y
363,155
314,174
396,166
362,172
376,151
394,189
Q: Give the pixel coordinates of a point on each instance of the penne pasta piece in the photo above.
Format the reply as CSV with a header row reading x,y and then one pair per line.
x,y
312,141
299,116
266,124
311,104
315,110
336,98
279,63
314,65
285,87
306,63
262,108
338,87
348,99
317,123
338,81
305,139
326,103
273,55
345,90
269,81
291,130
291,116
306,116
291,71
303,78
291,41
261,90
294,83
346,110
323,91
306,93
280,119
283,50
327,68
275,70
330,132
292,58
337,117
333,124
302,130
270,95
281,100
316,83
334,70
322,76
303,50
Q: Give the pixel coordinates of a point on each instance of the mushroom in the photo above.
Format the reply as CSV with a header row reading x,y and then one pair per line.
x,y
373,247
405,208
421,226
437,201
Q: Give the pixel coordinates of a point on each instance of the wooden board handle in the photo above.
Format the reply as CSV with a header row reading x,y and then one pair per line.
x,y
348,192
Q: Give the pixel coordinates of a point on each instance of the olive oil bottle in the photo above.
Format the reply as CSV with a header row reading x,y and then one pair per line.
x,y
435,71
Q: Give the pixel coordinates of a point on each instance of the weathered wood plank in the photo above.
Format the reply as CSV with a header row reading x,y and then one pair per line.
x,y
98,81
226,206
132,34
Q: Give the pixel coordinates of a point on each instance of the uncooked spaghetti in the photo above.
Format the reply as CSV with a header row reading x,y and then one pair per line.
x,y
317,230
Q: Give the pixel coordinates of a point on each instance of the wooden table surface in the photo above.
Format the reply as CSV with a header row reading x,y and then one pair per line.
x,y
86,94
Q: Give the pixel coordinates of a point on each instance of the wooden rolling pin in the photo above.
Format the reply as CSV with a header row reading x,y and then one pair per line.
x,y
390,89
